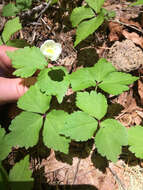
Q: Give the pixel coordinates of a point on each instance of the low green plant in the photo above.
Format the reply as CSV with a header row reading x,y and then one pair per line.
x,y
88,121
12,9
10,28
89,18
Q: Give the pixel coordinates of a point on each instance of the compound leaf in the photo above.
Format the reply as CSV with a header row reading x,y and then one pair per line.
x,y
116,82
51,133
79,14
27,61
10,28
54,81
86,28
94,104
101,69
81,79
25,130
34,100
95,4
20,175
79,126
135,140
5,147
110,138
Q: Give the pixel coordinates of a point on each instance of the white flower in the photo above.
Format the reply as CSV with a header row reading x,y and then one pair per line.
x,y
51,49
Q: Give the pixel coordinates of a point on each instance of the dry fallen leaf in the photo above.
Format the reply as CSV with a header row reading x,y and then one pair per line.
x,y
115,31
134,37
131,23
140,90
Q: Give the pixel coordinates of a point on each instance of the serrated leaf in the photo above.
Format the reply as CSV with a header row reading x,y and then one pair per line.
x,y
34,100
10,28
54,81
10,10
116,82
110,138
93,103
25,130
79,126
27,61
51,133
86,28
135,140
5,147
95,4
20,175
79,14
101,69
81,79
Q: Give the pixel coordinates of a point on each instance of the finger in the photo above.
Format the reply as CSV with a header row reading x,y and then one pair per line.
x,y
5,62
12,89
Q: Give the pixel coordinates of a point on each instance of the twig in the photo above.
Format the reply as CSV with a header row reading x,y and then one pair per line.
x,y
39,18
31,12
125,24
117,178
77,168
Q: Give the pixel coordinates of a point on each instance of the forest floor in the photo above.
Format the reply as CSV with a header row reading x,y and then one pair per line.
x,y
80,169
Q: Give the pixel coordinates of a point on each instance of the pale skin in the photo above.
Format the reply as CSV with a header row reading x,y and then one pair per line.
x,y
10,88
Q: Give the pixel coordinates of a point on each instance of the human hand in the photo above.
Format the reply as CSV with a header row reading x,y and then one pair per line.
x,y
10,88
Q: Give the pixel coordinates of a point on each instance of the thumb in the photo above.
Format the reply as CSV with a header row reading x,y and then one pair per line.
x,y
11,89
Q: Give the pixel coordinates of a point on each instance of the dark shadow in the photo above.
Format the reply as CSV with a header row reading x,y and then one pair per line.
x,y
45,186
129,158
114,110
75,151
99,162
56,75
87,57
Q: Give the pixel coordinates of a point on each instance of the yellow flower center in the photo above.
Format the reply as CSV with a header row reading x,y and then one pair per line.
x,y
50,50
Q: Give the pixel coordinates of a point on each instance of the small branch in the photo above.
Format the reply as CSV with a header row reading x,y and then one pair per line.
x,y
40,8
117,178
77,168
125,24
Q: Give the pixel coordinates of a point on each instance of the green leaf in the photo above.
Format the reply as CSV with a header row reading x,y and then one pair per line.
x,y
5,147
110,138
82,78
139,2
34,100
27,61
25,130
51,134
23,4
116,82
86,28
20,175
54,81
95,4
10,28
94,104
1,42
101,69
79,126
17,43
79,14
135,140
10,10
